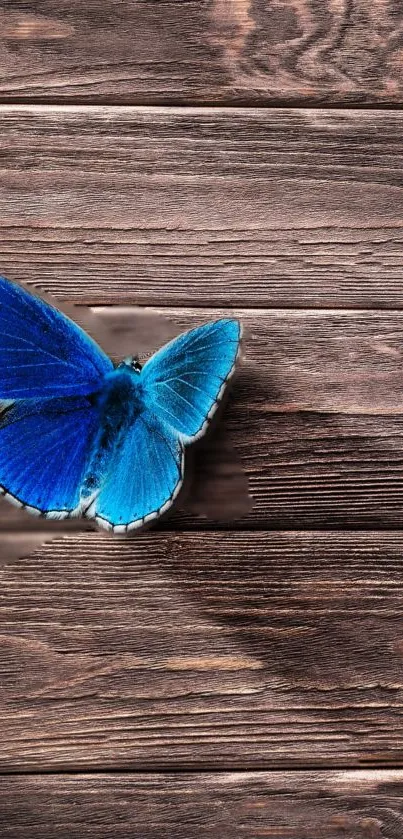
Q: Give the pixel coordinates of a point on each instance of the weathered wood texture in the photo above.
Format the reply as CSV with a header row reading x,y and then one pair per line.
x,y
217,650
247,805
204,207
219,51
315,417
223,650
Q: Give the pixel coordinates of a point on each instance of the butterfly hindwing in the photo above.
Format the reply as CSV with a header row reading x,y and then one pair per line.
x,y
44,449
144,478
42,352
184,382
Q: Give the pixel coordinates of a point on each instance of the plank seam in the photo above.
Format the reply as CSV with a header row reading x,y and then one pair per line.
x,y
150,769
224,104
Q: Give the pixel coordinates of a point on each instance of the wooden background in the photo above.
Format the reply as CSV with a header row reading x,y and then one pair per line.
x,y
217,679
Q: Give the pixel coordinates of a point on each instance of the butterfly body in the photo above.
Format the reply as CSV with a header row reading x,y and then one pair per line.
x,y
79,436
119,403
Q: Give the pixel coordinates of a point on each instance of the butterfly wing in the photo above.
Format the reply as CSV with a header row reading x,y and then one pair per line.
x,y
42,352
144,477
44,450
184,382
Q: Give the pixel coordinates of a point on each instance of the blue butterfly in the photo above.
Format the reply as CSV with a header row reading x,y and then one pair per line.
x,y
79,436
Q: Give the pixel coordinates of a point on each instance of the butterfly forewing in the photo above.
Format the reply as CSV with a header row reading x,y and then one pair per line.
x,y
185,380
43,354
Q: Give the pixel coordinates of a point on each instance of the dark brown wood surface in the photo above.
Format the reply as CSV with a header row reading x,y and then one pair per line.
x,y
220,647
249,650
208,52
303,805
253,208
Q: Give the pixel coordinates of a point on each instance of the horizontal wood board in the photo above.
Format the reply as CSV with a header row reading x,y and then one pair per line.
x,y
178,206
241,51
289,805
315,418
218,650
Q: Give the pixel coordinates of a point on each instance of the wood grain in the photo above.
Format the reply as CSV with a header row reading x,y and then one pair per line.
x,y
288,805
240,648
204,207
315,419
221,51
223,650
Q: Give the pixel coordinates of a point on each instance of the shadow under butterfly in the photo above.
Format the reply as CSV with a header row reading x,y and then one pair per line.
x,y
82,437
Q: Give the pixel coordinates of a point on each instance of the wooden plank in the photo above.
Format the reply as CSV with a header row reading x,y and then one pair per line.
x,y
221,51
315,419
204,206
225,650
288,805
303,470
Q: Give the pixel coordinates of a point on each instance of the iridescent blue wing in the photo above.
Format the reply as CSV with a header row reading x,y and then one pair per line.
x,y
144,477
42,352
44,450
184,382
